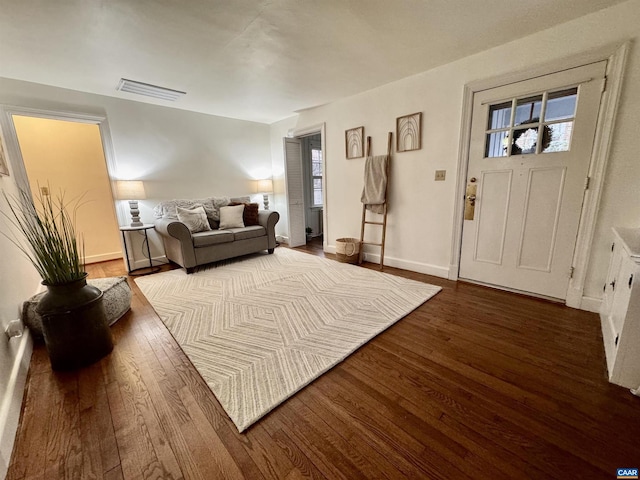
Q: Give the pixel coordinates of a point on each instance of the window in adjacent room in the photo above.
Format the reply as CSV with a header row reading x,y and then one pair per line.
x,y
316,176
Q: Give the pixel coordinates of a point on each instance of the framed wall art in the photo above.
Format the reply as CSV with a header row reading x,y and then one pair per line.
x,y
354,142
409,132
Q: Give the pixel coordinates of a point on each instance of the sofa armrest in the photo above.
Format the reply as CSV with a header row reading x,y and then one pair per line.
x,y
170,227
178,242
268,219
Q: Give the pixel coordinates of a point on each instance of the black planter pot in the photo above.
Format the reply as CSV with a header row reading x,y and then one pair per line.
x,y
74,325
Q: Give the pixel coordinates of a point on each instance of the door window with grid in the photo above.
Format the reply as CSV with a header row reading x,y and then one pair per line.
x,y
538,124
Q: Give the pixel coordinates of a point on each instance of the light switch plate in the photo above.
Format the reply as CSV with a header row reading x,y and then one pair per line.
x,y
440,175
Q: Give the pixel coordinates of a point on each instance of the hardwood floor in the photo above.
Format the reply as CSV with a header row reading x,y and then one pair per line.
x,y
475,383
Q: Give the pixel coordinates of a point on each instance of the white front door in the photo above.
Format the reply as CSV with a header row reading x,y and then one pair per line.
x,y
529,157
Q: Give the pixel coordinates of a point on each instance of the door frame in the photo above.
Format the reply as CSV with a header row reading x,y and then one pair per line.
x,y
616,56
305,132
13,146
14,153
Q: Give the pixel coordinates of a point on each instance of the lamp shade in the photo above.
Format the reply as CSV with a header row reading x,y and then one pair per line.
x,y
265,186
130,190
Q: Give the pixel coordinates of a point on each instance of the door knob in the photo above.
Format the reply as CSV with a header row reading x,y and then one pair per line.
x,y
470,201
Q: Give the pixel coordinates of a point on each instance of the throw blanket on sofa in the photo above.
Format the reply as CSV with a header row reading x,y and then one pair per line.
x,y
375,183
169,208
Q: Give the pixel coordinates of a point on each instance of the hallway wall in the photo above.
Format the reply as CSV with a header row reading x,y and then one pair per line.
x,y
68,157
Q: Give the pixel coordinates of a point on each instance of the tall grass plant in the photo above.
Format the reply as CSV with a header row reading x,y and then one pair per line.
x,y
48,227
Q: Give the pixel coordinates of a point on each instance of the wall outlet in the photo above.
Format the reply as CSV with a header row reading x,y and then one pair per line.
x,y
440,175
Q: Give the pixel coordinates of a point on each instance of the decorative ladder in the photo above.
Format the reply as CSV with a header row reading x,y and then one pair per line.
x,y
383,223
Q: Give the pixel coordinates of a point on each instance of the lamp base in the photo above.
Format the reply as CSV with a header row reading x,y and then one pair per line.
x,y
265,201
135,213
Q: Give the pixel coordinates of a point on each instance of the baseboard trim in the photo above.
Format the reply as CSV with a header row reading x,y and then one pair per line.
x,y
427,269
104,257
12,399
419,267
591,304
144,262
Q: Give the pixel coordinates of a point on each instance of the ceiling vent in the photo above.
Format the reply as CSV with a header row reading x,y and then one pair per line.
x,y
148,90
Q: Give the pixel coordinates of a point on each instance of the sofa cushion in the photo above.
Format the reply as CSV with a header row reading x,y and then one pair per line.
x,y
213,237
231,217
248,232
195,219
250,213
214,224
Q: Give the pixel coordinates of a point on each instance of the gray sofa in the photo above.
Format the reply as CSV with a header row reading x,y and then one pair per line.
x,y
190,250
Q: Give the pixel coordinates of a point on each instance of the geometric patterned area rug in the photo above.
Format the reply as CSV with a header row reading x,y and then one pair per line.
x,y
261,328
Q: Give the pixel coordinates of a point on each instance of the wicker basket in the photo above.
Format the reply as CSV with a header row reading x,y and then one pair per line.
x,y
348,250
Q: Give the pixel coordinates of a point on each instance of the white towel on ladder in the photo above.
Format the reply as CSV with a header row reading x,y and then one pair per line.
x,y
375,183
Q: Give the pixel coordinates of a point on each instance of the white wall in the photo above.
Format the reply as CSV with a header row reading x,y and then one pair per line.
x,y
420,226
69,157
178,154
18,281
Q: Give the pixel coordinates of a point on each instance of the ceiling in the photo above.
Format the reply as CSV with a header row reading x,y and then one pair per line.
x,y
257,60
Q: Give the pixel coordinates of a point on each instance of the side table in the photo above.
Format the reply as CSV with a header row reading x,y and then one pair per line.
x,y
142,228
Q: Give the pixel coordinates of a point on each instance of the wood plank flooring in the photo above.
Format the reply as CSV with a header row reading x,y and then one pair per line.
x,y
476,383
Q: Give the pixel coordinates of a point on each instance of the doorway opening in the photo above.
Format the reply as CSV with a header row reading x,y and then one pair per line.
x,y
313,179
63,156
305,181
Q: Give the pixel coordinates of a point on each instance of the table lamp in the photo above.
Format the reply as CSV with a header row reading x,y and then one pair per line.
x,y
131,190
265,187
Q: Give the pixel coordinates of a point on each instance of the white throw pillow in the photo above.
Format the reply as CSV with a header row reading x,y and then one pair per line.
x,y
195,219
231,217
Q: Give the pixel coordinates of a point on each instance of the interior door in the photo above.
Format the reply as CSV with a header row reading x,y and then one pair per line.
x,y
529,158
294,177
